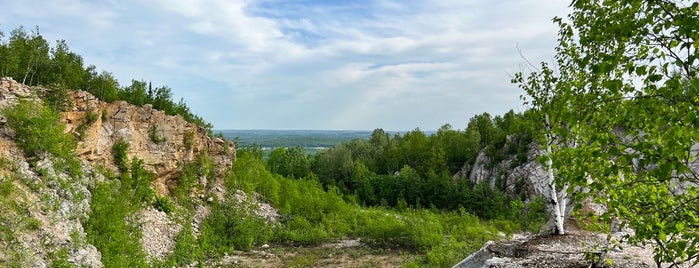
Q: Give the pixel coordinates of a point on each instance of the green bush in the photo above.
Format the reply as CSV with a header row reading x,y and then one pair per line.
x,y
162,203
447,253
530,216
108,230
57,98
231,226
185,183
187,250
299,230
119,153
38,130
90,118
188,139
139,182
154,136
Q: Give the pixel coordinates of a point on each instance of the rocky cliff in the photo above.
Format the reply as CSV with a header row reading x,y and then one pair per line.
x,y
43,208
162,141
511,175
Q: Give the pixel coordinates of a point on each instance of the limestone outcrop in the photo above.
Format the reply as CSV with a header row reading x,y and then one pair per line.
x,y
44,207
528,177
162,141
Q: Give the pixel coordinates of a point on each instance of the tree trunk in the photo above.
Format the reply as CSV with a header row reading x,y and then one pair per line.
x,y
558,200
557,206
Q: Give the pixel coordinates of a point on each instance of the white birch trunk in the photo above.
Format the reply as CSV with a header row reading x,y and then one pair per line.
x,y
558,199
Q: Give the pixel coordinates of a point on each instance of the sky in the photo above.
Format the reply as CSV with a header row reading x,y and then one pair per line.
x,y
311,64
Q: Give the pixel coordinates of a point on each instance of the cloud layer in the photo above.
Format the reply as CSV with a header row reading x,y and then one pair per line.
x,y
273,64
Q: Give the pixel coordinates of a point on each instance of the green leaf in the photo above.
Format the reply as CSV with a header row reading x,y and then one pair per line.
x,y
641,70
655,77
679,226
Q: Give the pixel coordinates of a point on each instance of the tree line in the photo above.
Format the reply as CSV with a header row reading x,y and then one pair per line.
x,y
415,170
29,58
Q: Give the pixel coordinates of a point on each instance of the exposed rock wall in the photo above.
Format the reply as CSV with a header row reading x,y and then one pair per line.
x,y
53,205
180,141
528,177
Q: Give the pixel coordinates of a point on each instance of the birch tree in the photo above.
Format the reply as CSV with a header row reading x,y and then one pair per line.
x,y
626,73
551,112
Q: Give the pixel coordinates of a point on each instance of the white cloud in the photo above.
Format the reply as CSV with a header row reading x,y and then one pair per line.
x,y
312,64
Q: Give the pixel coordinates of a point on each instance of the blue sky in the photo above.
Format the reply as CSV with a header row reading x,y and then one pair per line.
x,y
273,64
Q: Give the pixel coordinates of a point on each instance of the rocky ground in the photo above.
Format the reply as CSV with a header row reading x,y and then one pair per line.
x,y
344,253
578,248
158,233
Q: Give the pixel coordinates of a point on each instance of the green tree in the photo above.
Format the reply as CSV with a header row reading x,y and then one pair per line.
x,y
415,150
485,127
66,67
290,163
379,141
29,55
459,147
7,64
103,86
334,166
162,99
627,72
135,94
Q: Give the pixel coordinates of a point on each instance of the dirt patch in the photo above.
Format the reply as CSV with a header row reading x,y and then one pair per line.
x,y
324,256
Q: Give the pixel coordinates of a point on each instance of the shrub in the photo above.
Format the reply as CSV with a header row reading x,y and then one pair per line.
x,y
57,98
154,137
38,130
447,253
90,118
109,231
162,203
139,182
119,150
187,250
188,139
232,225
185,183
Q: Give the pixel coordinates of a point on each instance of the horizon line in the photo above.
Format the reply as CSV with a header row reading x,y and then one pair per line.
x,y
269,129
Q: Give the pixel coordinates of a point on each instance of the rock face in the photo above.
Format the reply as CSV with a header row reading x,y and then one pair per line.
x,y
528,177
162,141
47,206
53,205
